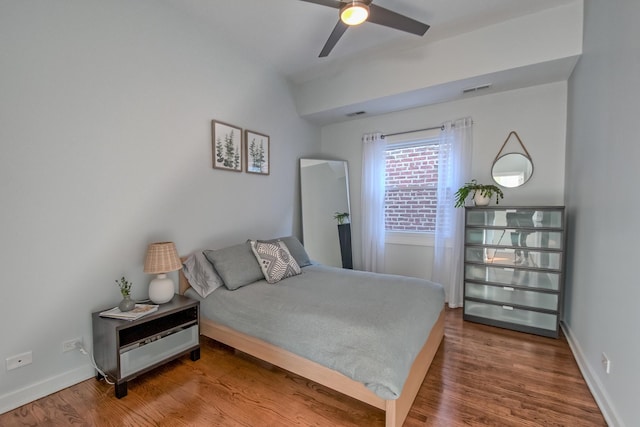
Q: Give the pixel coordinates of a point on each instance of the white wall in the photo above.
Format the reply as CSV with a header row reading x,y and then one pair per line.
x,y
602,173
537,113
105,146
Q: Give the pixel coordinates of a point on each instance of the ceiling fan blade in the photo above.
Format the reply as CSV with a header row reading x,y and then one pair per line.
x,y
330,3
337,32
381,16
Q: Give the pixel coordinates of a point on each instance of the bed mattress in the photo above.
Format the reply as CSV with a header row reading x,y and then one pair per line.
x,y
367,326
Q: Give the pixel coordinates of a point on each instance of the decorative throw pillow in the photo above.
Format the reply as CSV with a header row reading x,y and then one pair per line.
x,y
295,248
236,265
201,275
275,260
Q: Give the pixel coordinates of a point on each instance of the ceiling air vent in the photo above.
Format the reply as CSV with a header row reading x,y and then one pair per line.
x,y
476,88
356,113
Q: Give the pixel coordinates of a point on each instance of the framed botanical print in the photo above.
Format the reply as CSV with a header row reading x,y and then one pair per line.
x,y
257,152
227,146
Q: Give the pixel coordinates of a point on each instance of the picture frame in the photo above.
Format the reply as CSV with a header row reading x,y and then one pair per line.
x,y
257,152
227,146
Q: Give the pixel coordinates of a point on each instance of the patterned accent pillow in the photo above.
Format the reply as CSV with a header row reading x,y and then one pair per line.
x,y
295,249
275,260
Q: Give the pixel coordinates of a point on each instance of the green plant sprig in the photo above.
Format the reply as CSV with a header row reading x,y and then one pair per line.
x,y
125,286
486,190
341,216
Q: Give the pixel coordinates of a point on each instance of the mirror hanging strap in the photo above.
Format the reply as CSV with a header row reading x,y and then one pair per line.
x,y
513,132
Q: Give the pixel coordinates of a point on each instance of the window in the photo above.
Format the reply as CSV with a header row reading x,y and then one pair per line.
x,y
411,181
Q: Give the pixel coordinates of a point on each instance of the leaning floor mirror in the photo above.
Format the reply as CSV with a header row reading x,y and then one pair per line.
x,y
326,231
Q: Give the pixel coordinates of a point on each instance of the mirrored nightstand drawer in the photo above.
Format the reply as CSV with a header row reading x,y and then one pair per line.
x,y
508,314
145,355
512,296
514,257
512,276
537,239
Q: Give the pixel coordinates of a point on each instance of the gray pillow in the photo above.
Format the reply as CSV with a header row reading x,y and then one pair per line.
x,y
236,265
201,275
298,251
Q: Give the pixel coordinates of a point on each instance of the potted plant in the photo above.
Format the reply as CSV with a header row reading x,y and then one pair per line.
x,y
481,193
341,217
344,236
127,304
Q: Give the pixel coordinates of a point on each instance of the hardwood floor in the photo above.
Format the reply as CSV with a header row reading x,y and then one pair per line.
x,y
481,376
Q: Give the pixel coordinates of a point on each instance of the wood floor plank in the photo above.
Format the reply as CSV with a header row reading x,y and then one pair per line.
x,y
481,376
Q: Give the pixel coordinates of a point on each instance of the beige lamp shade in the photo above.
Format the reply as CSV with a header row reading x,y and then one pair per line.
x,y
162,257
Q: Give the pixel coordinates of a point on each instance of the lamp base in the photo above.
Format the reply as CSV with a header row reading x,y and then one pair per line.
x,y
161,289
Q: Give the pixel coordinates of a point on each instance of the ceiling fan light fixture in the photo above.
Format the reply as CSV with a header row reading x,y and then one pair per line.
x,y
354,13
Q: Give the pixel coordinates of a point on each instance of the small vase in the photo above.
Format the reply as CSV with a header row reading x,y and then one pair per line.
x,y
127,304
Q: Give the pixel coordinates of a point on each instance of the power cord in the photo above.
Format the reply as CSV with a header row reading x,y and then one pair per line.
x,y
80,347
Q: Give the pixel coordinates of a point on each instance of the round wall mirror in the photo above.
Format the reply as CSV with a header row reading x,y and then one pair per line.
x,y
512,170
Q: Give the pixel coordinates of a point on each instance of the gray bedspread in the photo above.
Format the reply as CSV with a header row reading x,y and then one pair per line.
x,y
368,326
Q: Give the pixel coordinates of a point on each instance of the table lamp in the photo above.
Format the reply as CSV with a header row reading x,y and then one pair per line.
x,y
162,257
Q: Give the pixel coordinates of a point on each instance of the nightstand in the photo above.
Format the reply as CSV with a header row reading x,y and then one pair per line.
x,y
124,349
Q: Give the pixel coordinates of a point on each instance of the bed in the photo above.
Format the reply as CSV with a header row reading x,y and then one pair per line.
x,y
384,329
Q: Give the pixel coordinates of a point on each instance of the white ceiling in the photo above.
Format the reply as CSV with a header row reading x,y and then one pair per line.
x,y
289,34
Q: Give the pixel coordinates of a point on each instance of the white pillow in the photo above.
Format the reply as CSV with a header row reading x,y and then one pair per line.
x,y
201,275
275,260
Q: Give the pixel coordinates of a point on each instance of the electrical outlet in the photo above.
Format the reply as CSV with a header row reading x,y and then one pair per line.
x,y
71,344
19,360
606,363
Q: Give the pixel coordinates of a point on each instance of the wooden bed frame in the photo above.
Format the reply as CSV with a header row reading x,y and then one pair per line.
x,y
396,411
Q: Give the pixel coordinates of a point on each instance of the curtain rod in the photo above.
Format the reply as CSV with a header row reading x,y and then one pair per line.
x,y
413,131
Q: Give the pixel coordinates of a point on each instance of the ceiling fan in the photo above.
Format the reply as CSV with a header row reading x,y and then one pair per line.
x,y
355,12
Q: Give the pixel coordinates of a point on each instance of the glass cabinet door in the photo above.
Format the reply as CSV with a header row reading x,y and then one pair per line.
x,y
516,218
512,276
540,239
512,296
514,257
509,314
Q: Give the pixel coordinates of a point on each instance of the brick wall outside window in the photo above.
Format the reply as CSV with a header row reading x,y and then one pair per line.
x,y
411,181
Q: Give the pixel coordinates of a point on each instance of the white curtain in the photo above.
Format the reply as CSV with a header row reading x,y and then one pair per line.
x,y
454,169
372,202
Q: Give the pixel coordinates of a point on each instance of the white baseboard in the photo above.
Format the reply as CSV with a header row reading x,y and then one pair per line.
x,y
17,398
593,382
